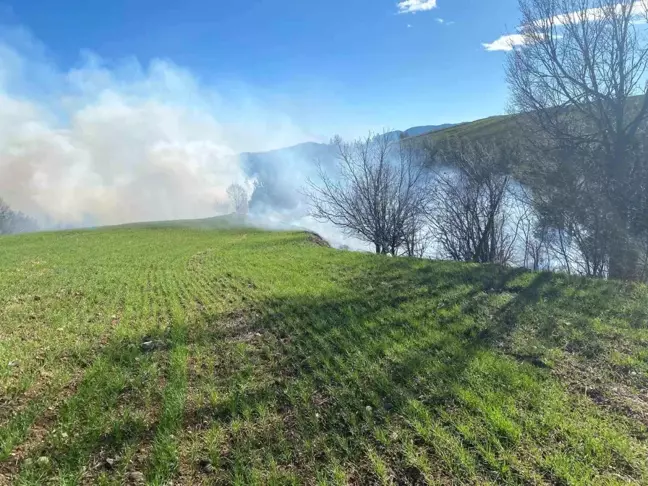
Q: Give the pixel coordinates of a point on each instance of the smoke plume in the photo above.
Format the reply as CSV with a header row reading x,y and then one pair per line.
x,y
108,143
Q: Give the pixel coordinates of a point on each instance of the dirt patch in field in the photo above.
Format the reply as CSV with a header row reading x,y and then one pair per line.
x,y
624,395
39,429
316,239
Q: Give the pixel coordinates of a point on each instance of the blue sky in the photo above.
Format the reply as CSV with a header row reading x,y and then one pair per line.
x,y
332,66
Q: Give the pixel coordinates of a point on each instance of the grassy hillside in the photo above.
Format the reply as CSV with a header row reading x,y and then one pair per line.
x,y
492,127
484,129
234,356
479,129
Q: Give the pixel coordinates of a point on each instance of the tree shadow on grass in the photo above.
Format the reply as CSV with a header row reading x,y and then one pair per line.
x,y
405,331
538,300
352,362
311,380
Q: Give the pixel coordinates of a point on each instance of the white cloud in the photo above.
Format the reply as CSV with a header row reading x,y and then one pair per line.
x,y
508,42
440,20
505,43
413,6
409,26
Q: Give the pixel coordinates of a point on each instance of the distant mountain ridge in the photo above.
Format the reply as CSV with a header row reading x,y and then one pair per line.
x,y
317,147
280,174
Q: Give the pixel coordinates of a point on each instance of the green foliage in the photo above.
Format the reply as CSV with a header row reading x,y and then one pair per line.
x,y
237,356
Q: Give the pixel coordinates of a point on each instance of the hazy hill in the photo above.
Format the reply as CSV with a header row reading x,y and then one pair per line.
x,y
281,173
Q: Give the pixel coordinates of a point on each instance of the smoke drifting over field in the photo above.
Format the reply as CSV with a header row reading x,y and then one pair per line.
x,y
107,143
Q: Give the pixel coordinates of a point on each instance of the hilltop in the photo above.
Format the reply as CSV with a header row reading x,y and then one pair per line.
x,y
479,129
185,353
487,128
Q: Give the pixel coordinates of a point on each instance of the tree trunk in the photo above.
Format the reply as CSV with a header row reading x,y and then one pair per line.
x,y
624,260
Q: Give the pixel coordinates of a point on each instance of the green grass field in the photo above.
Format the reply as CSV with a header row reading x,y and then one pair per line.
x,y
183,355
484,129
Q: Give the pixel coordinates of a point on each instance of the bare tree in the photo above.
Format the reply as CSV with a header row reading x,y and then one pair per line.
x,y
581,248
534,239
471,213
417,236
14,221
239,197
576,79
377,193
568,219
6,218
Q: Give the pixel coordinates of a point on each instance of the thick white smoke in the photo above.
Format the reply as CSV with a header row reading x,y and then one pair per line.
x,y
114,143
